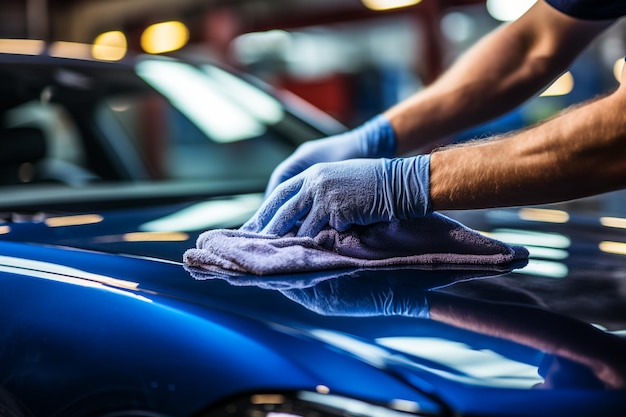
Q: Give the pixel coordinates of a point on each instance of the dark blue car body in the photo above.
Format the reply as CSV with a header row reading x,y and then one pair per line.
x,y
104,328
101,318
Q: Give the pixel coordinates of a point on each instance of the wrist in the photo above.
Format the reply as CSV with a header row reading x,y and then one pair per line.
x,y
407,187
377,138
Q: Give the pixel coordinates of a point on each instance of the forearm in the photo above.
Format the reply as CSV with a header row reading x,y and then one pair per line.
x,y
500,72
576,154
475,89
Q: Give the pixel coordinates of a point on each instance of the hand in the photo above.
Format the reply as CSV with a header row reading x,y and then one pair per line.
x,y
340,194
374,139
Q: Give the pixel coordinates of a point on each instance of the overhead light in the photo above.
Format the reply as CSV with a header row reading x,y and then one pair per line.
x,y
617,222
22,46
155,237
544,268
616,248
617,69
562,86
543,215
77,220
164,37
547,253
322,389
109,46
507,10
268,399
70,50
531,238
379,5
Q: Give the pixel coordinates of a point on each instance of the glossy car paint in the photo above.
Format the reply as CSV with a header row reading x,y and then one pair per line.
x,y
104,330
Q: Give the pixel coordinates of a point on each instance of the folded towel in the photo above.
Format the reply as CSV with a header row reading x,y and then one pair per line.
x,y
434,239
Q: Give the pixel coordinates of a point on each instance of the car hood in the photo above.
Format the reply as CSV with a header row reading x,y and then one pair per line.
x,y
445,338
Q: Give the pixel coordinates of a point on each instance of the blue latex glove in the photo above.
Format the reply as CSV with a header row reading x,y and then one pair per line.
x,y
340,194
374,139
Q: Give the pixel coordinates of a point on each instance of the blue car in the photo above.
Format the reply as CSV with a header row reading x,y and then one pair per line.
x,y
111,171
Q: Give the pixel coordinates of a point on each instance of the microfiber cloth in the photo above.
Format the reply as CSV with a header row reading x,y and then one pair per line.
x,y
434,239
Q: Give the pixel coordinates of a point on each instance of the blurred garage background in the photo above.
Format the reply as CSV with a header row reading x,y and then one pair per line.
x,y
351,58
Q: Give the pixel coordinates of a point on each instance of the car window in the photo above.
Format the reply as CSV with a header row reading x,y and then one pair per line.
x,y
161,120
77,133
172,146
59,128
40,143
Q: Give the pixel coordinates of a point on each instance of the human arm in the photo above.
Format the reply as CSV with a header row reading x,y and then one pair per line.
x,y
578,153
497,74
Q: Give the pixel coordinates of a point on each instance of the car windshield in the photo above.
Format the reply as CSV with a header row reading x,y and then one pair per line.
x,y
198,123
158,121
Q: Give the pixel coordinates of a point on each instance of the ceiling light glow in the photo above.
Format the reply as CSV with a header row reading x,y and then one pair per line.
x,y
617,69
507,10
616,248
543,215
22,46
561,86
155,237
74,50
77,220
617,222
379,5
164,37
110,46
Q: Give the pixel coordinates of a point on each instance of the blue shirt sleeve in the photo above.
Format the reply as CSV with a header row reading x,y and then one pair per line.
x,y
591,9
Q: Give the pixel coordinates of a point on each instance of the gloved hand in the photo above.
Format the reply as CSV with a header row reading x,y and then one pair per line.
x,y
340,194
374,139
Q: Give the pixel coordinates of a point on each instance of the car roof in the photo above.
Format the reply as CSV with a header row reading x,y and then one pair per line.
x,y
25,77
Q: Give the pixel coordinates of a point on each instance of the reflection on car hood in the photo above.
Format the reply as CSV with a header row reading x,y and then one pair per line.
x,y
454,335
